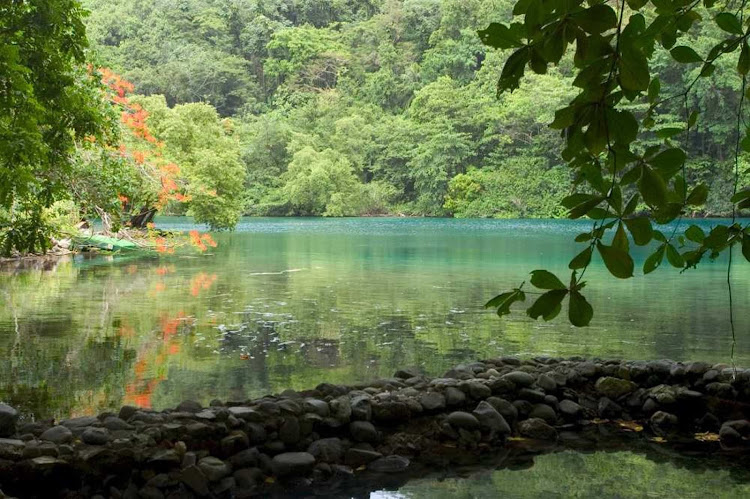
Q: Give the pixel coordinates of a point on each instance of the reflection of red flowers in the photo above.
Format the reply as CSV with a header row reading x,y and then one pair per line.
x,y
161,244
200,282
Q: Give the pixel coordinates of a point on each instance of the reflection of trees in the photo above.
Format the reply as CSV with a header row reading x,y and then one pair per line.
x,y
620,469
307,307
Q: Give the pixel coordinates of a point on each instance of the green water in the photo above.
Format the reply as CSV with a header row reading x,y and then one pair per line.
x,y
293,302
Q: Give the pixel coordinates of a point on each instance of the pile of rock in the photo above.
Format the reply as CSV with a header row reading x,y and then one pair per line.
x,y
239,449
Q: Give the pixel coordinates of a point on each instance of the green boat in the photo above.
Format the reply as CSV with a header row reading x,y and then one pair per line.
x,y
105,243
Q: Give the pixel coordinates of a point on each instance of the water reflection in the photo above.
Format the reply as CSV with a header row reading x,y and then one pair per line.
x,y
292,303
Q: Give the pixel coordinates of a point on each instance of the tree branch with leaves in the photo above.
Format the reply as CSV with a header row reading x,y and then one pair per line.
x,y
622,181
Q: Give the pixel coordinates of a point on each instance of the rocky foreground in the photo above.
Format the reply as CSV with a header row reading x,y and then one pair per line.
x,y
303,440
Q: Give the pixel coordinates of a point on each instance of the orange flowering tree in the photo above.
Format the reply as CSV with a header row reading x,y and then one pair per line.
x,y
128,182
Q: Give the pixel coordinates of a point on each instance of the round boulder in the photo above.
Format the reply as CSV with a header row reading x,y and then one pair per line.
x,y
292,463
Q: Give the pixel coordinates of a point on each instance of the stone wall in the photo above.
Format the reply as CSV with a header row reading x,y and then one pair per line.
x,y
315,437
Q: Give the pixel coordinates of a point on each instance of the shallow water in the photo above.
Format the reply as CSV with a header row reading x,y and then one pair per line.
x,y
293,302
622,474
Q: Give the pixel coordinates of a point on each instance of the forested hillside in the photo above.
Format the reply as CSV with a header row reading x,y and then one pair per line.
x,y
344,108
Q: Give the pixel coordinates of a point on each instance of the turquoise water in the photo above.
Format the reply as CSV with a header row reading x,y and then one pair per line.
x,y
293,302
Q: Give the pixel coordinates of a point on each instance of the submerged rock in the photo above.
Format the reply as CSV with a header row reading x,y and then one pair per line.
x,y
389,464
538,429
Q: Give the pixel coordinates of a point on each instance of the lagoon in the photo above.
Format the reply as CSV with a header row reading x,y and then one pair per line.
x,y
293,302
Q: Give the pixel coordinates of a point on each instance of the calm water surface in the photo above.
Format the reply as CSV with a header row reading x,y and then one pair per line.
x,y
293,302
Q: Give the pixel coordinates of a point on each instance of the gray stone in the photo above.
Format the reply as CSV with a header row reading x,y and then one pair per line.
x,y
545,412
432,401
546,383
11,448
95,436
213,468
519,378
730,436
364,431
327,450
357,457
247,458
409,372
293,463
165,458
614,387
248,478
289,432
233,443
318,407
341,409
534,396
195,480
454,396
207,415
389,464
491,419
361,409
609,409
8,419
463,420
479,390
114,423
225,484
391,411
149,492
538,429
81,422
570,409
664,394
127,412
58,435
508,410
721,390
247,414
663,423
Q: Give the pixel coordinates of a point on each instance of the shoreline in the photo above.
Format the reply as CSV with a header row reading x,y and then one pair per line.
x,y
395,427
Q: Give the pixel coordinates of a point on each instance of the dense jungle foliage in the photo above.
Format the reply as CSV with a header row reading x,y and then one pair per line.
x,y
119,109
387,106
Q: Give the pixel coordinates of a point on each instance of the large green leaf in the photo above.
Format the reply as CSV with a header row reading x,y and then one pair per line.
x,y
674,257
652,187
596,19
634,74
698,196
513,70
501,36
580,311
729,23
619,263
641,230
685,54
669,161
654,260
504,301
620,241
582,259
695,234
544,279
547,306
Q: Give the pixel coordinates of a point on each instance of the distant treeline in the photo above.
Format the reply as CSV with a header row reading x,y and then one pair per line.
x,y
346,108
